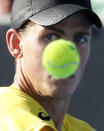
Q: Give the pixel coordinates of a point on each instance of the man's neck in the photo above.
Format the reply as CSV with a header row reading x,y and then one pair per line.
x,y
56,108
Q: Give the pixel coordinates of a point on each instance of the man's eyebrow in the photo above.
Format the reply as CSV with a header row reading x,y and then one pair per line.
x,y
82,33
56,30
63,33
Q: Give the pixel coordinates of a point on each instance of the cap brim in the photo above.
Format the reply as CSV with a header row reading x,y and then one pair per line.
x,y
58,13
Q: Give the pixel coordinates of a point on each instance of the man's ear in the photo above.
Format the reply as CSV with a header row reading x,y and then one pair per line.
x,y
13,43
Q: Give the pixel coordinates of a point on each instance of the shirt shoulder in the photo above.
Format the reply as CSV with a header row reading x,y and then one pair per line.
x,y
20,112
76,125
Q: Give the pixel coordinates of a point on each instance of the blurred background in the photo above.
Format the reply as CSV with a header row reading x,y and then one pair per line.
x,y
87,102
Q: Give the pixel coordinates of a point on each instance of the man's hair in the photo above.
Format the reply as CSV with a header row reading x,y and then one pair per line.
x,y
24,27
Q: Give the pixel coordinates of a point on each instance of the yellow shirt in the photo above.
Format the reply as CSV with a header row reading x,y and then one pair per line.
x,y
20,112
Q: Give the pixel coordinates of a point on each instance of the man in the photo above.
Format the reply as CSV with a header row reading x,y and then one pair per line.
x,y
36,101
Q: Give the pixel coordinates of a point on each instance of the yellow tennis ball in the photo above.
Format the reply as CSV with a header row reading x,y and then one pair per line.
x,y
61,58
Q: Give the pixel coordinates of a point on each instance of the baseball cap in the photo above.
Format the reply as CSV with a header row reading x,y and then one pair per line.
x,y
49,12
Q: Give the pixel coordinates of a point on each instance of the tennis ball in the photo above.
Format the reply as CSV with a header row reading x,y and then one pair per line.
x,y
61,58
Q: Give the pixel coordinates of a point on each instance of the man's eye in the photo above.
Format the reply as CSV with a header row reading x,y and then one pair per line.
x,y
51,37
80,39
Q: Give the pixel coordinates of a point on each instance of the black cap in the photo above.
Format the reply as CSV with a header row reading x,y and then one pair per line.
x,y
49,12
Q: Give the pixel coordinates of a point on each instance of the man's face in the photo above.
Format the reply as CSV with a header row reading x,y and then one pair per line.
x,y
76,28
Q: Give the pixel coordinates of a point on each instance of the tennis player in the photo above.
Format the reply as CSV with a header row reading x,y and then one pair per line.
x,y
37,101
